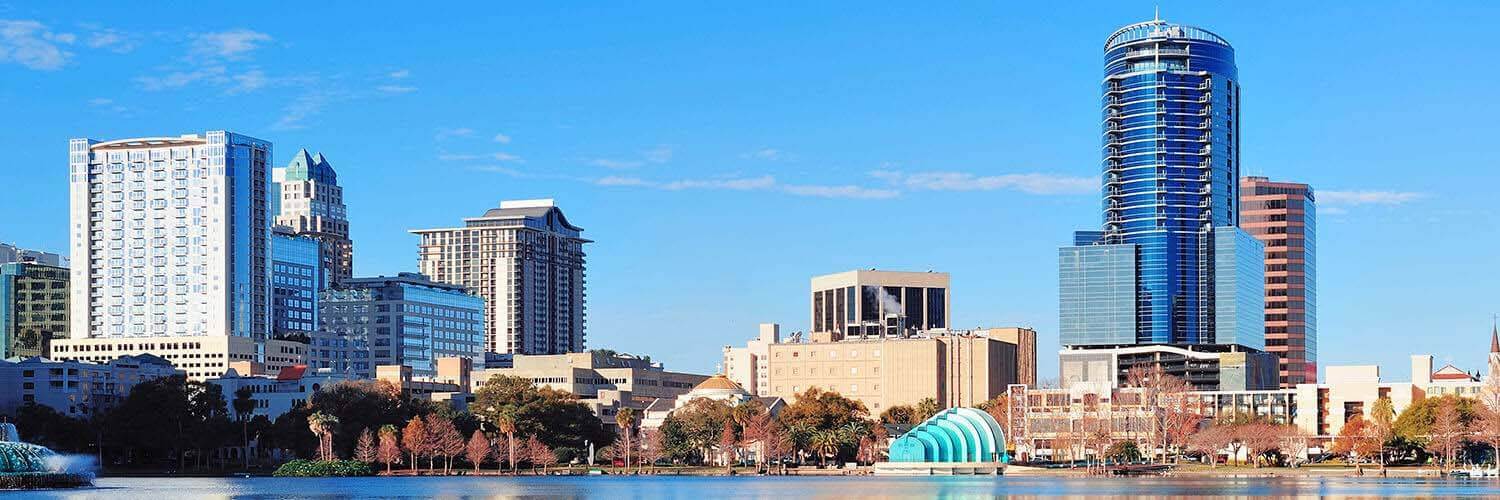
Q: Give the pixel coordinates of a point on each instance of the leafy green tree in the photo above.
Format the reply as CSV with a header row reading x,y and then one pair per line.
x,y
925,409
690,432
554,417
1123,452
244,408
899,414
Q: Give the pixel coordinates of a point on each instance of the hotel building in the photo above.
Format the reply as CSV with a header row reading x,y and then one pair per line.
x,y
1170,270
527,261
1283,216
170,248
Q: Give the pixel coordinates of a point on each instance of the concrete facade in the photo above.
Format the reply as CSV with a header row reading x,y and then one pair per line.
x,y
875,303
76,389
1282,215
527,262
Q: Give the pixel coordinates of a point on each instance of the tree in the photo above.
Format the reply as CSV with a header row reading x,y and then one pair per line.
x,y
1167,396
1447,433
322,426
444,441
691,432
819,410
505,422
414,439
1123,452
825,443
1383,425
364,450
477,450
539,454
365,404
244,408
555,417
652,447
625,422
390,448
1487,425
727,442
1210,441
1358,439
899,414
924,410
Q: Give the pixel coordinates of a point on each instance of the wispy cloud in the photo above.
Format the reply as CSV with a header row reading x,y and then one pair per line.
x,y
399,74
502,138
101,101
1366,197
396,89
116,41
31,44
753,183
248,81
498,156
178,79
231,44
959,181
447,133
506,157
656,155
847,191
294,116
768,154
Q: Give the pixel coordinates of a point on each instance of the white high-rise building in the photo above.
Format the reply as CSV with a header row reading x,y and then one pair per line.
x,y
527,262
169,245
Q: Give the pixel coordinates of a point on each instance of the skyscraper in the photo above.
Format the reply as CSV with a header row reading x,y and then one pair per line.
x,y
169,245
403,320
1169,267
527,261
1283,216
296,279
306,197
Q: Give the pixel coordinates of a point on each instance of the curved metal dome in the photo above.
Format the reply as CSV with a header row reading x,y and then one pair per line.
x,y
955,435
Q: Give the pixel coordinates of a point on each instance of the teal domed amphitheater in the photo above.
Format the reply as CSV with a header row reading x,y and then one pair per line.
x,y
955,441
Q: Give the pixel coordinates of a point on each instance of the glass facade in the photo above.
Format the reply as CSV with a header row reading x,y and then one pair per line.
x,y
1239,293
1283,215
1170,148
1097,294
406,320
296,278
33,308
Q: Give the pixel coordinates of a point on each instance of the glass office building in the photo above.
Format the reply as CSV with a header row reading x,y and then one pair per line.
x,y
296,278
1170,148
33,308
403,320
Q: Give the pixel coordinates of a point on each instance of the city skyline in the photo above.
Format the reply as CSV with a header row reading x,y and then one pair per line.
x,y
637,192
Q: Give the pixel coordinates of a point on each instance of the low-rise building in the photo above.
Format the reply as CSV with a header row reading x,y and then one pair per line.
x,y
604,381
274,395
73,388
955,368
715,388
1207,367
200,357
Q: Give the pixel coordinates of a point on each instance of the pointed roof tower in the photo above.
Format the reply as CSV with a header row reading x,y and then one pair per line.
x,y
1494,340
306,166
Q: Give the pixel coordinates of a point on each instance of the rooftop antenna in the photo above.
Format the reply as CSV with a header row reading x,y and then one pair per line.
x,y
1158,13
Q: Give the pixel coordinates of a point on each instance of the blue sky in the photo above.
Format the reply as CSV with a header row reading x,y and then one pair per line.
x,y
722,154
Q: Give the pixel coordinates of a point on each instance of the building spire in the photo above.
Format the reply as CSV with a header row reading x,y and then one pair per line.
x,y
1157,17
1494,337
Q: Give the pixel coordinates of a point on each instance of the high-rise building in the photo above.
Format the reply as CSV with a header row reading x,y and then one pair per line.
x,y
1283,216
33,308
296,280
1170,266
874,303
527,261
169,240
402,320
306,197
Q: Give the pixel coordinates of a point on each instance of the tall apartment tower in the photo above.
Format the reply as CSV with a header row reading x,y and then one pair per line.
x,y
1169,267
1283,216
169,250
306,197
527,261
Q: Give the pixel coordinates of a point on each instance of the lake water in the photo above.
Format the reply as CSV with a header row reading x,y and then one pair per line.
x,y
760,487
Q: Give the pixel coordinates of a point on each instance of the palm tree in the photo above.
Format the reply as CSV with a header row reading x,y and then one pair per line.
x,y
244,407
505,422
625,420
322,425
825,443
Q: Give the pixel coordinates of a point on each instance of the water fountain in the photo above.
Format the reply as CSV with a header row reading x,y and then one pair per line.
x,y
28,466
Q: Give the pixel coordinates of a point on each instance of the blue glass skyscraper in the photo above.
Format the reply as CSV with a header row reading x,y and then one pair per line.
x,y
1170,174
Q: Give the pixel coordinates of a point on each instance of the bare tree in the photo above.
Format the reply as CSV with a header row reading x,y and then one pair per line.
x,y
1210,441
1447,432
477,450
364,450
389,452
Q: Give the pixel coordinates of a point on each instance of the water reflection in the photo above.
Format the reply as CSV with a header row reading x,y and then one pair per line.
x,y
779,487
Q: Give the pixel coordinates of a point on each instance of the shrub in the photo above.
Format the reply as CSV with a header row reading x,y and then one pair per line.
x,y
324,468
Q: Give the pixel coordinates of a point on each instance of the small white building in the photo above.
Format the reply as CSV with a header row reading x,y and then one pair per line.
x,y
76,388
274,396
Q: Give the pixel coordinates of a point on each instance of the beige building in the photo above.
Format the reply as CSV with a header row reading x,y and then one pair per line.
x,y
961,368
874,303
1025,341
746,366
200,358
603,381
527,261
